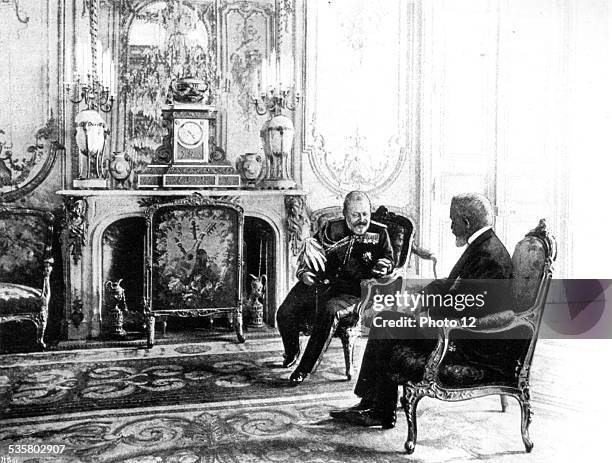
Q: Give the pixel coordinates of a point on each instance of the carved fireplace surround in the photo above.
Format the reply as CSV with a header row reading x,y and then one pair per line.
x,y
90,212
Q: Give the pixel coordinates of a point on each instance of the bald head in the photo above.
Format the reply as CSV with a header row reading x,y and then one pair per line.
x,y
357,210
469,212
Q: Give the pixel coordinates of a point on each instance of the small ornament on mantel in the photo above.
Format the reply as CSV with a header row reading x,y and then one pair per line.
x,y
121,170
252,168
116,307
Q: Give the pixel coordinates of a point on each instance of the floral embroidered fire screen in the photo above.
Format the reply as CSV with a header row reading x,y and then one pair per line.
x,y
194,260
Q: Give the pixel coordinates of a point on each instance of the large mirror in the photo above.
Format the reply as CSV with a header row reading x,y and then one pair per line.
x,y
150,43
163,41
144,44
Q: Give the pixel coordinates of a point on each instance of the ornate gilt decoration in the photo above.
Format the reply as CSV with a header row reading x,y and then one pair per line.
x,y
286,9
75,226
298,222
20,173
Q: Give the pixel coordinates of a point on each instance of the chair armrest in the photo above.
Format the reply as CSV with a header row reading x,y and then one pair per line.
x,y
426,254
496,323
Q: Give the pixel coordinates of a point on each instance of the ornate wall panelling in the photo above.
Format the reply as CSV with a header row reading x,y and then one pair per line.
x,y
30,139
361,131
248,39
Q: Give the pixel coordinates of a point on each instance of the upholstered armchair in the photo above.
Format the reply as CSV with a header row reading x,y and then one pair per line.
x,y
25,266
401,233
513,333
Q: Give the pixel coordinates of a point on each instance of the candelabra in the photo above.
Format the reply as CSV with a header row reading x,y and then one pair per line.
x,y
277,135
95,95
275,100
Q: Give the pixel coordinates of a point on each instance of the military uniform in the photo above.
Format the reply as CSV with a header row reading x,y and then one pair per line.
x,y
350,259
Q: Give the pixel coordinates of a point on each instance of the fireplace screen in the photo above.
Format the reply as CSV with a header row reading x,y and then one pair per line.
x,y
194,261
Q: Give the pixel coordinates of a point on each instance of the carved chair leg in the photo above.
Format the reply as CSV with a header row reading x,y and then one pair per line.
x,y
348,346
409,401
40,322
40,333
526,414
238,324
164,326
150,321
504,403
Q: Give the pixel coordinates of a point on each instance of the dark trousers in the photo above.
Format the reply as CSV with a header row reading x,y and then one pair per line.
x,y
320,308
374,384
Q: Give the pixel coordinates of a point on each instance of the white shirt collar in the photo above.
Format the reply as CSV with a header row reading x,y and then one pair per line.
x,y
477,233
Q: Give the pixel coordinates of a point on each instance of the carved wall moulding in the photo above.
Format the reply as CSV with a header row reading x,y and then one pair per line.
x,y
19,14
75,226
22,172
357,166
298,222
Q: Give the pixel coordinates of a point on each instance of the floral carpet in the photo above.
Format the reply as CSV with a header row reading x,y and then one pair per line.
x,y
244,414
179,374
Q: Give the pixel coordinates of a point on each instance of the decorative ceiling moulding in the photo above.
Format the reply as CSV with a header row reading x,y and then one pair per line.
x,y
22,172
361,131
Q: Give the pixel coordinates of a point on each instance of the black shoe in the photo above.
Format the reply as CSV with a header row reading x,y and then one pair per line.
x,y
362,405
388,420
367,418
290,359
297,377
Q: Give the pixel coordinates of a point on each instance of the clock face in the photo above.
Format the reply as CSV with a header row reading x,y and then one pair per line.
x,y
190,134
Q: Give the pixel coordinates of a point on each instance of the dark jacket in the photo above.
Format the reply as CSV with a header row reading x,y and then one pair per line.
x,y
482,274
350,257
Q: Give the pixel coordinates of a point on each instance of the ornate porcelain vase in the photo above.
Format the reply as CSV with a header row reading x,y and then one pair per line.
x,y
277,138
90,135
120,169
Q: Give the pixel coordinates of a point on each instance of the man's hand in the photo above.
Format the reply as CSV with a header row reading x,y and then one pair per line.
x,y
313,255
382,267
308,278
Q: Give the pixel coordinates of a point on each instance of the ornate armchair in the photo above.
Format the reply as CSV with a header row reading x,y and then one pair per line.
x,y
514,333
401,233
25,266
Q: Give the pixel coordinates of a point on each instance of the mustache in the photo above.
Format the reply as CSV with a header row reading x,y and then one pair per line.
x,y
361,222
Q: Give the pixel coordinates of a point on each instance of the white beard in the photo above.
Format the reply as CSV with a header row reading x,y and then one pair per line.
x,y
460,241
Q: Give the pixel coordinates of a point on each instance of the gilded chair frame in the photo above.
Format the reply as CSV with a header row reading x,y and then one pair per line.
x,y
531,318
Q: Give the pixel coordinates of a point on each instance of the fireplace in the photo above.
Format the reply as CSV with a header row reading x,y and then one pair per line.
x,y
104,241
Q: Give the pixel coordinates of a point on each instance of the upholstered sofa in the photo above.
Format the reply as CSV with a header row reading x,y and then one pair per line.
x,y
25,266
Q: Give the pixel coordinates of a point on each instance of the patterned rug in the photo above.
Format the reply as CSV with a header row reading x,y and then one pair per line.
x,y
249,417
179,374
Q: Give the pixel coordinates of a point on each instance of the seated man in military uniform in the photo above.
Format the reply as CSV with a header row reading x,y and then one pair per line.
x,y
331,267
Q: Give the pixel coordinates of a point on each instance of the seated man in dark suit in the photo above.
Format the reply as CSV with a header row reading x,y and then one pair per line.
x,y
485,267
332,265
